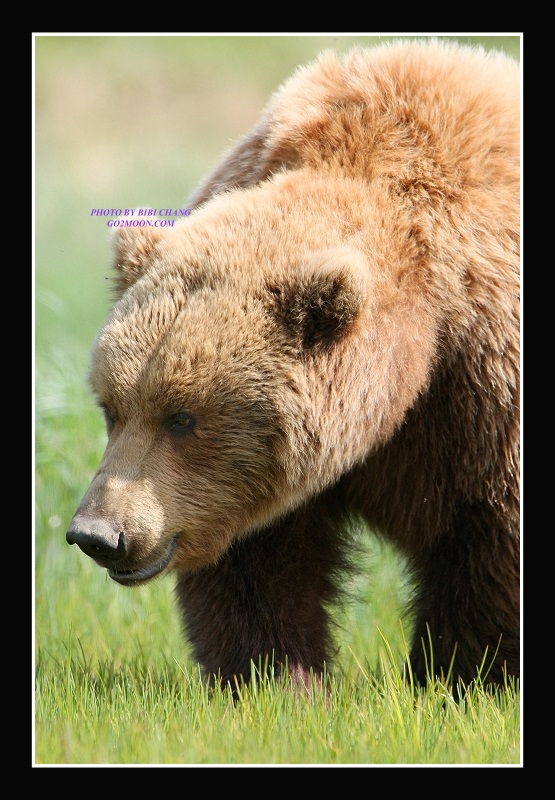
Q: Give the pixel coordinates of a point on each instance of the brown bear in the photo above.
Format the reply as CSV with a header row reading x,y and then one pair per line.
x,y
330,340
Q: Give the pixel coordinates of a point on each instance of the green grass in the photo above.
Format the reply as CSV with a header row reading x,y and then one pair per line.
x,y
140,713
129,121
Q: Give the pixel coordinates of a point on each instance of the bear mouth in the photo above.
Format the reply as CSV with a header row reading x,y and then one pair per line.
x,y
133,577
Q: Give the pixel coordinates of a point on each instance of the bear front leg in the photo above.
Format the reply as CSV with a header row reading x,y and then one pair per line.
x,y
468,601
265,601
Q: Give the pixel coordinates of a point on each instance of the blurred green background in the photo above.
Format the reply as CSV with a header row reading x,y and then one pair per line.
x,y
123,121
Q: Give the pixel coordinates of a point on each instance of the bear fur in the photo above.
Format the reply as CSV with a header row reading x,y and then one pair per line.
x,y
331,338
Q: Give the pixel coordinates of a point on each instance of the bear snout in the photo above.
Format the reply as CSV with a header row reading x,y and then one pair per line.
x,y
97,538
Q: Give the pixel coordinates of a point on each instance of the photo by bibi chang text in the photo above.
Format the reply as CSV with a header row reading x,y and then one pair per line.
x,y
141,217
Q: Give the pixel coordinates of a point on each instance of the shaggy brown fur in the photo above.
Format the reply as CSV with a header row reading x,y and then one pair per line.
x,y
332,335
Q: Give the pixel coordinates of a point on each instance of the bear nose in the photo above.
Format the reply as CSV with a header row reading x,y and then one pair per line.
x,y
97,538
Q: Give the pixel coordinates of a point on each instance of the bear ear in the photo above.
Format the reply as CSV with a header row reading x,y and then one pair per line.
x,y
321,303
134,247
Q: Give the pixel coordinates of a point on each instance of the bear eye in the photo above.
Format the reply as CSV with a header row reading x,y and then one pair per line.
x,y
108,416
180,424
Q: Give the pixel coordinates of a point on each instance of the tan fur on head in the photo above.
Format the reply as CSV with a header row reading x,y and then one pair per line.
x,y
134,249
